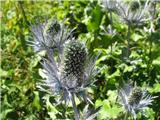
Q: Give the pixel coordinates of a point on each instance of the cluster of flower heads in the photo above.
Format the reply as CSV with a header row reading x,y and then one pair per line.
x,y
132,13
68,66
70,69
134,98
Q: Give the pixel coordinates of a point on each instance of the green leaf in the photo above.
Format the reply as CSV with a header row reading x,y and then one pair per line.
x,y
52,111
157,61
4,113
36,101
96,19
3,73
128,68
98,103
155,89
136,37
108,111
115,74
112,96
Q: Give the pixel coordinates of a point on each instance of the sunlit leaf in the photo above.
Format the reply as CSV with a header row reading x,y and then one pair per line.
x,y
96,17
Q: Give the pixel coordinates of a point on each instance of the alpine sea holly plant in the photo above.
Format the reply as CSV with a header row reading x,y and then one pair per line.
x,y
133,14
68,67
134,99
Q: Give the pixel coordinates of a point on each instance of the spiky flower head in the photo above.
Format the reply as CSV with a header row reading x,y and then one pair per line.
x,y
134,99
72,73
52,28
135,96
133,14
75,56
134,5
50,35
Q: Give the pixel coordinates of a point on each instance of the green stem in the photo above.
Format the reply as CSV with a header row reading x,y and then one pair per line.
x,y
20,3
128,39
126,116
151,39
74,107
111,23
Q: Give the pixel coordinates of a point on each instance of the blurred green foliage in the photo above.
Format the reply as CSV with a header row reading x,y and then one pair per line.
x,y
19,72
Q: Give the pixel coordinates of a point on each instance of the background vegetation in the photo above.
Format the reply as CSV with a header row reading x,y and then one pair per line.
x,y
20,98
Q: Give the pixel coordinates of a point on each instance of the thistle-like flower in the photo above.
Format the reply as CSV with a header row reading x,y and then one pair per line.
x,y
68,68
133,98
133,14
75,56
50,35
73,72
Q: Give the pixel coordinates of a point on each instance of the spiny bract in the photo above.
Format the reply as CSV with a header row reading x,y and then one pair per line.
x,y
75,55
135,96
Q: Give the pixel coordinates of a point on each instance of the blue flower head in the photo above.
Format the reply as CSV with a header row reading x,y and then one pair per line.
x,y
134,99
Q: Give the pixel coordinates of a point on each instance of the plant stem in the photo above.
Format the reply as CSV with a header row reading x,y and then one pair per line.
x,y
128,39
153,15
126,116
74,107
20,3
111,23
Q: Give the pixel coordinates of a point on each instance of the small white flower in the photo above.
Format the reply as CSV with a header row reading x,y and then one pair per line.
x,y
133,98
